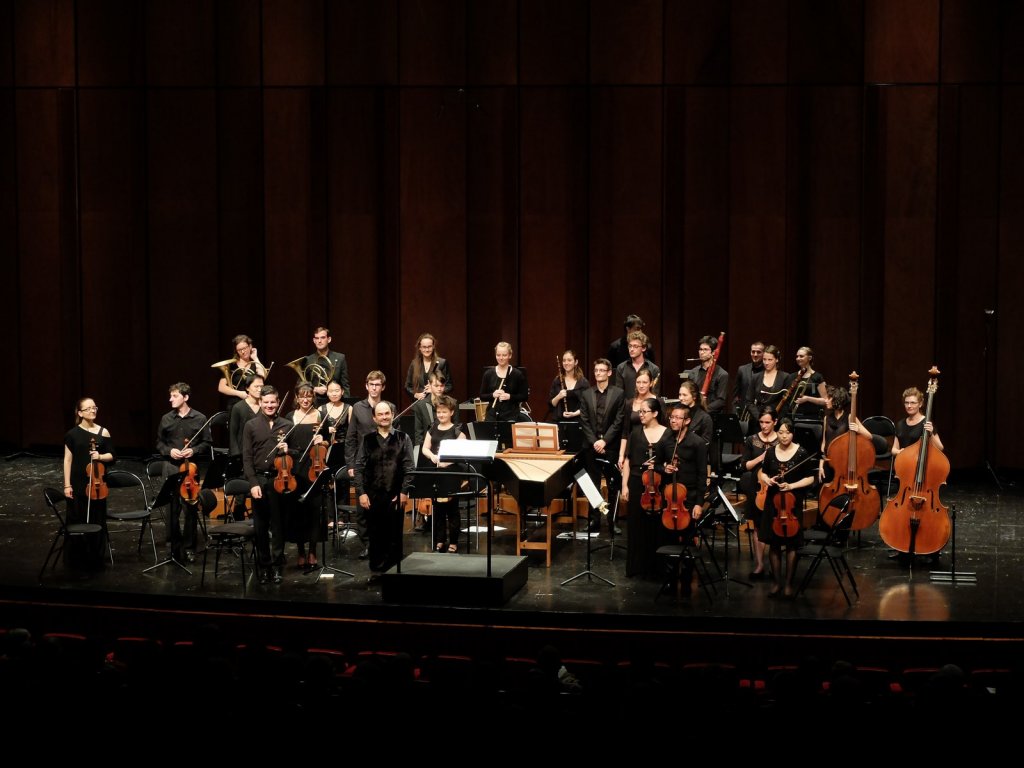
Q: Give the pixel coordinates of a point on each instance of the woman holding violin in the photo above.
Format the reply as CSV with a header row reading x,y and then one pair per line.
x,y
303,524
335,416
642,460
755,449
564,394
788,473
87,450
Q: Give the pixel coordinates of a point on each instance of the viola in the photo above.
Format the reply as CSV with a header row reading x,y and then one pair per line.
x,y
651,499
190,487
675,516
317,460
851,456
284,481
786,522
915,520
97,486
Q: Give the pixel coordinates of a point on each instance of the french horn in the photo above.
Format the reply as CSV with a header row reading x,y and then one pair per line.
x,y
314,373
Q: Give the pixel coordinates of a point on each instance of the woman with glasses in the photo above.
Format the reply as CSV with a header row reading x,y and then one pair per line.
x,y
649,447
86,442
243,367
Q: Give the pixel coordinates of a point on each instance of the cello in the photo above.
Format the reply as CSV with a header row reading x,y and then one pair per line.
x,y
915,520
675,516
851,456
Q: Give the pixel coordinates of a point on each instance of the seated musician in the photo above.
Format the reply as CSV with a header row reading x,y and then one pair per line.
x,y
788,473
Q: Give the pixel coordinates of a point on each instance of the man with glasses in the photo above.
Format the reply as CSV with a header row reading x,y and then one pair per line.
x,y
601,412
361,424
625,374
742,397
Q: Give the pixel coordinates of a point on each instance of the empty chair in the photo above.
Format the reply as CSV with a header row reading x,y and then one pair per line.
x,y
55,500
838,518
142,513
883,431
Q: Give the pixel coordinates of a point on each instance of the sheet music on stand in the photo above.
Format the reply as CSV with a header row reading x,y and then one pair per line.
x,y
473,451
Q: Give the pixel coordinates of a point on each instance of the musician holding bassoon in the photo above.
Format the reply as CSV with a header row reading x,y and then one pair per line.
x,y
87,444
627,371
265,440
426,362
504,387
181,436
713,392
331,365
647,449
239,370
788,472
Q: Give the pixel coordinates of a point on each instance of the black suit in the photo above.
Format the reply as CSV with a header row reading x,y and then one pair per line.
x,y
608,428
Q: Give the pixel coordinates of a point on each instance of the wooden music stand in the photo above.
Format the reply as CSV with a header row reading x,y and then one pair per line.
x,y
534,437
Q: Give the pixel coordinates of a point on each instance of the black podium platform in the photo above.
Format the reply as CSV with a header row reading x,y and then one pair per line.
x,y
432,578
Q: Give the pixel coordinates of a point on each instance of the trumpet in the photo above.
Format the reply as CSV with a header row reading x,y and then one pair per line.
x,y
314,373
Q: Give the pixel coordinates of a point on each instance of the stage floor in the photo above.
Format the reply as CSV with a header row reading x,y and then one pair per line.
x,y
894,599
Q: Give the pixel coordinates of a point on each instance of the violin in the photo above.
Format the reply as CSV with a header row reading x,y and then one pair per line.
x,y
189,488
285,481
651,499
97,487
675,516
915,521
851,456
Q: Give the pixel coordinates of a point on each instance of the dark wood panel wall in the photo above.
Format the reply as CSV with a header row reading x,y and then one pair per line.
x,y
846,175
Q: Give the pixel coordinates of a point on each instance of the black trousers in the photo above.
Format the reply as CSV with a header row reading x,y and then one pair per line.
x,y
268,520
384,521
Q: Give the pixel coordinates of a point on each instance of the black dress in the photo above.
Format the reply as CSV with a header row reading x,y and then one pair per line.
x,y
571,402
85,552
772,467
644,527
336,453
302,520
753,447
446,513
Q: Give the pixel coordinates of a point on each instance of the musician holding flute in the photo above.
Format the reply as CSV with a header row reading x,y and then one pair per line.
x,y
181,435
564,394
426,362
504,387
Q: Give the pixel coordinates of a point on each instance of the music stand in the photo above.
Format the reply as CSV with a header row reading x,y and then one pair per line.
x,y
168,491
472,452
570,436
736,517
614,478
953,576
596,502
321,480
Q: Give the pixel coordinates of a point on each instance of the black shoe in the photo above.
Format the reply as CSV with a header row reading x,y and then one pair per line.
x,y
190,555
275,575
364,554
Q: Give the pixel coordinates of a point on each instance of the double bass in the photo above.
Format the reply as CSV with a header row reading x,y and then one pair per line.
x,y
851,456
915,520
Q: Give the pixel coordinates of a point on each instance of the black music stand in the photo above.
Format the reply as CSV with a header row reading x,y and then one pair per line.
x,y
953,576
427,482
614,478
320,483
472,452
596,502
570,436
727,429
724,572
168,491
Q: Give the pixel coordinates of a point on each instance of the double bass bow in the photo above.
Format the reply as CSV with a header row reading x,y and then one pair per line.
x,y
851,456
915,521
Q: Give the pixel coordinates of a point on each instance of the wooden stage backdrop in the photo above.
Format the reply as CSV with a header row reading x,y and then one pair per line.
x,y
847,175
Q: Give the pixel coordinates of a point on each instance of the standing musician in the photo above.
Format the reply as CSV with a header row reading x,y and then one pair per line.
x,y
333,363
701,423
303,523
717,390
263,441
426,362
648,447
786,470
628,370
241,412
770,384
910,429
755,448
618,350
335,415
446,510
742,393
633,406
85,443
423,417
504,387
564,394
384,479
809,403
687,466
601,412
362,423
182,424
241,370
